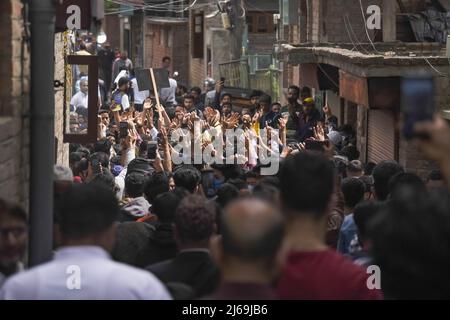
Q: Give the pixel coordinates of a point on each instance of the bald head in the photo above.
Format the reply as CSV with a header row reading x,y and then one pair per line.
x,y
252,229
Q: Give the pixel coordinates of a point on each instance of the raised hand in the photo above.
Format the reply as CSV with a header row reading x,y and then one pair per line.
x,y
319,133
282,123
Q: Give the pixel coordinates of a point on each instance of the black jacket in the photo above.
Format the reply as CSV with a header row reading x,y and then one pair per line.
x,y
160,246
193,268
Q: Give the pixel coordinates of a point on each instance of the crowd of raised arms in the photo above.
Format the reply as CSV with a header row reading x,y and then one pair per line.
x,y
140,225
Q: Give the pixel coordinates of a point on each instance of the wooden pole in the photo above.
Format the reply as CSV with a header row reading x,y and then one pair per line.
x,y
155,90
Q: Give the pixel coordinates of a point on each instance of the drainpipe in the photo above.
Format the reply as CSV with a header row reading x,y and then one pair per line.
x,y
42,16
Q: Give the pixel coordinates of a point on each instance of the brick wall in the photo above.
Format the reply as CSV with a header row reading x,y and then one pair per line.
x,y
334,27
14,105
168,40
62,149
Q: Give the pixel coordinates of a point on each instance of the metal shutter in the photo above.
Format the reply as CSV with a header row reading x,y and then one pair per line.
x,y
381,136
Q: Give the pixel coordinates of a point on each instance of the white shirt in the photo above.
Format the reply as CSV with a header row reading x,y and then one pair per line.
x,y
168,94
125,102
139,96
99,278
80,99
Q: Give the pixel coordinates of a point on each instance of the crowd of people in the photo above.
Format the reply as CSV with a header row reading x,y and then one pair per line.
x,y
140,226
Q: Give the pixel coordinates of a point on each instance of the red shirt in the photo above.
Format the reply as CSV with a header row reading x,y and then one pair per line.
x,y
324,275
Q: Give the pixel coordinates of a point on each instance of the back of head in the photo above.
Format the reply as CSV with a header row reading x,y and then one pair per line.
x,y
364,213
405,179
368,168
103,145
353,190
351,152
99,157
411,244
134,184
267,192
265,99
187,177
355,167
87,209
165,206
62,173
195,220
157,183
105,179
307,182
252,230
382,173
226,193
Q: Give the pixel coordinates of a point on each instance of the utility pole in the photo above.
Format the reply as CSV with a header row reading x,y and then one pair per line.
x,y
42,16
236,34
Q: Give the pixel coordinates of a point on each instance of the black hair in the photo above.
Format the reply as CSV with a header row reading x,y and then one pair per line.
x,y
87,209
435,175
99,158
195,219
265,99
238,183
75,157
188,96
106,179
307,182
382,173
351,152
73,147
85,151
364,213
196,89
165,206
271,180
266,192
405,179
368,168
187,177
226,193
256,93
166,58
134,184
411,245
103,145
157,183
12,209
225,94
295,88
122,81
353,191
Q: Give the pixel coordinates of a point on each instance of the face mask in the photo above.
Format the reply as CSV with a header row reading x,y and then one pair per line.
x,y
217,183
292,100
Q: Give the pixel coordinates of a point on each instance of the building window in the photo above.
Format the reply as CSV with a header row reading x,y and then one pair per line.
x,y
197,26
260,22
